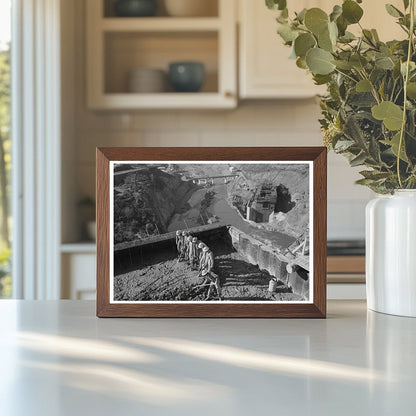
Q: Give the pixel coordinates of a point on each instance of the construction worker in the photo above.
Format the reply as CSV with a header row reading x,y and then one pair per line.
x,y
211,278
193,253
178,241
188,239
182,246
201,246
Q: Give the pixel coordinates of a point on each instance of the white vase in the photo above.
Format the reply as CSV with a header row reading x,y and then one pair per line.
x,y
391,253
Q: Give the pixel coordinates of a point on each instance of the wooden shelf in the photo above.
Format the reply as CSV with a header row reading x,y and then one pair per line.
x,y
117,45
160,24
127,101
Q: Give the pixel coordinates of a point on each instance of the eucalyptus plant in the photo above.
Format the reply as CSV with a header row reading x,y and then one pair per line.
x,y
369,111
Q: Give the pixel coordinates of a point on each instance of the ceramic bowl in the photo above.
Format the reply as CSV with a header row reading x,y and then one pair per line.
x,y
147,80
186,76
135,8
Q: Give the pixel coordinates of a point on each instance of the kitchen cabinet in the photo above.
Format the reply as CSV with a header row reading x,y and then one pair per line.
x,y
118,45
265,70
78,263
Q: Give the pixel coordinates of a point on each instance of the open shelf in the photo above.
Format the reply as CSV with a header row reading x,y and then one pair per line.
x,y
119,45
126,51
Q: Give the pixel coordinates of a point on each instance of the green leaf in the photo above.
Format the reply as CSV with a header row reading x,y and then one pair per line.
x,y
301,15
336,12
276,4
287,33
316,20
388,112
321,79
319,61
325,42
393,11
411,90
394,144
301,63
303,43
374,175
363,86
345,65
375,35
406,4
358,61
351,11
384,62
343,145
347,37
368,36
342,25
358,160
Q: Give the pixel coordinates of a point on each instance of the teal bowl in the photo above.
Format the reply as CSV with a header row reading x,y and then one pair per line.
x,y
186,76
135,8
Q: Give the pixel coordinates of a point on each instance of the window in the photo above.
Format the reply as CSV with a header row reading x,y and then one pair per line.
x,y
5,145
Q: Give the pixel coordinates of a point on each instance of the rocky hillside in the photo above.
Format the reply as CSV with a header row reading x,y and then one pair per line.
x,y
145,201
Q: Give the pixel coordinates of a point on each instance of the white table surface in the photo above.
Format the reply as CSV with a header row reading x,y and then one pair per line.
x,y
57,358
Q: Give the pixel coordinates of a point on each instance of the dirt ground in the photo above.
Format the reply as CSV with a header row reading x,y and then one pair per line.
x,y
168,279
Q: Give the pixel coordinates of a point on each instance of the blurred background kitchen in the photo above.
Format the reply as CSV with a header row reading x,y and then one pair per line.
x,y
185,73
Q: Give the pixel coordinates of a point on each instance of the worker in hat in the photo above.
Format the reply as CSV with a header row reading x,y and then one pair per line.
x,y
182,245
178,241
201,246
193,253
188,239
210,278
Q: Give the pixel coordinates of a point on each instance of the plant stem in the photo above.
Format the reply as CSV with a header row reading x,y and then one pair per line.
x,y
406,80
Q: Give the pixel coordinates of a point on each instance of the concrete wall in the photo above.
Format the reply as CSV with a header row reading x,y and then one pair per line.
x,y
267,259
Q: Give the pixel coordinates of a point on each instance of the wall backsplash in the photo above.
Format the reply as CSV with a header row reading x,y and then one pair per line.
x,y
254,123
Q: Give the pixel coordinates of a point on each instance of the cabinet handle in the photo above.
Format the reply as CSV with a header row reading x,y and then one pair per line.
x,y
229,94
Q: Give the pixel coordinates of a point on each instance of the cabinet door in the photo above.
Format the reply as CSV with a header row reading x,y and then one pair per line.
x,y
78,276
265,68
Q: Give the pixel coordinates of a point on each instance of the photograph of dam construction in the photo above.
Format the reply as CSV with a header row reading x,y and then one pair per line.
x,y
211,232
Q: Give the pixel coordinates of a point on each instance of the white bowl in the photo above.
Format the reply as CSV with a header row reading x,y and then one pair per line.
x,y
147,80
191,8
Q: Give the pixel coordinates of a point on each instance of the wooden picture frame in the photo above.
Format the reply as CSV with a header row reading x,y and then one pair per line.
x,y
311,306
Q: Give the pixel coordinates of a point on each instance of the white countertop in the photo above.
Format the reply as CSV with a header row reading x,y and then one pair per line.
x,y
57,358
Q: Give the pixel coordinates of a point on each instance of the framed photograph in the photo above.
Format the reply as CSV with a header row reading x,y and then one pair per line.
x,y
211,232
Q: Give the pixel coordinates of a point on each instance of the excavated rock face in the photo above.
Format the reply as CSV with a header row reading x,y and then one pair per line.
x,y
145,201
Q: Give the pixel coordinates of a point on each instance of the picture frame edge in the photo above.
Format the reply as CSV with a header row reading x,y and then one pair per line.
x,y
106,309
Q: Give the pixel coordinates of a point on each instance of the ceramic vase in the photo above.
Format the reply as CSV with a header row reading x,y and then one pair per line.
x,y
391,253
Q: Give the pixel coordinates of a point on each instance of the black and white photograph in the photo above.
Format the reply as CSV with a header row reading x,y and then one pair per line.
x,y
211,232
